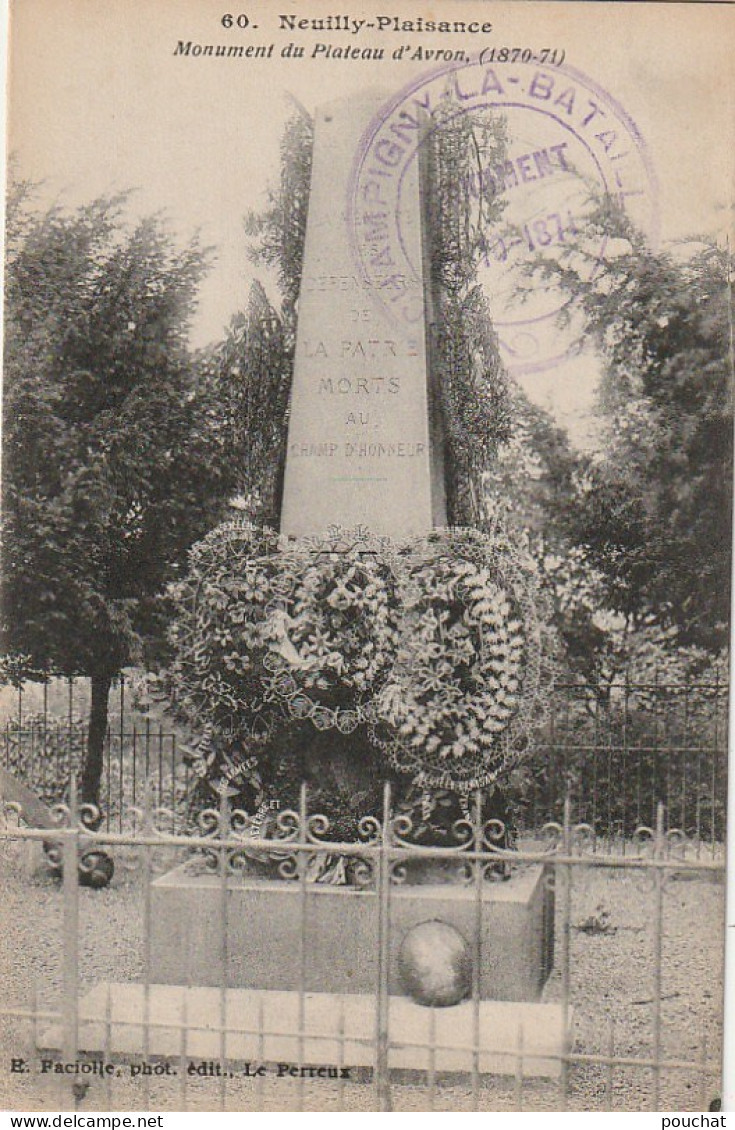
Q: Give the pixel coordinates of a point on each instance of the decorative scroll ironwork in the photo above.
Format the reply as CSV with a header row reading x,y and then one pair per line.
x,y
384,855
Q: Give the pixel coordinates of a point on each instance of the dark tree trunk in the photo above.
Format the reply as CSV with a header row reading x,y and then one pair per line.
x,y
94,760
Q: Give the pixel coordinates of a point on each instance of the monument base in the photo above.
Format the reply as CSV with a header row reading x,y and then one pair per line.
x,y
329,936
338,1031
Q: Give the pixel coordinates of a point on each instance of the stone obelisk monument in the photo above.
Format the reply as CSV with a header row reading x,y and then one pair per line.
x,y
362,450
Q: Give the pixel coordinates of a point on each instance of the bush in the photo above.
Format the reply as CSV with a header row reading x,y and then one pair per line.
x,y
45,752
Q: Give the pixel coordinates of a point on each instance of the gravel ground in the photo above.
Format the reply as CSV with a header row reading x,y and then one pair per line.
x,y
611,988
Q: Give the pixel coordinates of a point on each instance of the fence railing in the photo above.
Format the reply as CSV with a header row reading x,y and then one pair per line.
x,y
619,1044
618,750
623,749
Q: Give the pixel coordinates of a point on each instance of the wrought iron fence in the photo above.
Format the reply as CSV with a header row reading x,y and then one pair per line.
x,y
622,749
159,998
44,734
618,750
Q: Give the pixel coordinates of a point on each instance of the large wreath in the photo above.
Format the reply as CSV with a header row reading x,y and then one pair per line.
x,y
220,636
332,637
467,678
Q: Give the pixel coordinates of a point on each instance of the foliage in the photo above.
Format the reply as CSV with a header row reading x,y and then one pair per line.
x,y
537,485
591,634
17,668
469,377
639,737
458,145
44,752
248,380
473,396
653,512
251,372
279,231
533,486
109,470
533,479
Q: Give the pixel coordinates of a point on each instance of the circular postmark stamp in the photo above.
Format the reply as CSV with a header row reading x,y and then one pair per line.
x,y
567,141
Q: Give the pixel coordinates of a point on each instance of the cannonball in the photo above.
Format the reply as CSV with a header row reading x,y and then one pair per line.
x,y
434,964
95,870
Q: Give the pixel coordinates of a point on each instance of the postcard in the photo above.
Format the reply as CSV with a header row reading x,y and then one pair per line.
x,y
367,490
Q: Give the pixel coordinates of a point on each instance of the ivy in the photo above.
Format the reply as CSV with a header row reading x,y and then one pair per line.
x,y
468,372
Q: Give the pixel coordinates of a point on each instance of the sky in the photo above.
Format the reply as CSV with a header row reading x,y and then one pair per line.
x,y
100,102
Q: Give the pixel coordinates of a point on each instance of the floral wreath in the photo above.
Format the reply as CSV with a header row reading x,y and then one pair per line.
x,y
220,641
332,638
466,684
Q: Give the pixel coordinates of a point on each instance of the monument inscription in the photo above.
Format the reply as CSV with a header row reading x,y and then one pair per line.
x,y
361,449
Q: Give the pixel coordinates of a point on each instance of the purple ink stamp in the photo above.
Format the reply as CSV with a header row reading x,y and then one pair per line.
x,y
567,140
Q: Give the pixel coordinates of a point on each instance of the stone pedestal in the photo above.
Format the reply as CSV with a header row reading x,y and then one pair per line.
x,y
340,933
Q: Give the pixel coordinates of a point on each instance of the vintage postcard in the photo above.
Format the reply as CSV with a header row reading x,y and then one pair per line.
x,y
366,500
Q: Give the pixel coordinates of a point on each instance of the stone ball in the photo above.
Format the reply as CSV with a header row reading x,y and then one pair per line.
x,y
434,964
95,870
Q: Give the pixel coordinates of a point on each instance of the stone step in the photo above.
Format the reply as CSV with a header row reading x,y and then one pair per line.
x,y
339,1030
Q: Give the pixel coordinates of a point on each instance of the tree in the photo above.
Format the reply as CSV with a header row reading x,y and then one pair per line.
x,y
533,486
110,471
279,231
248,381
654,511
534,475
